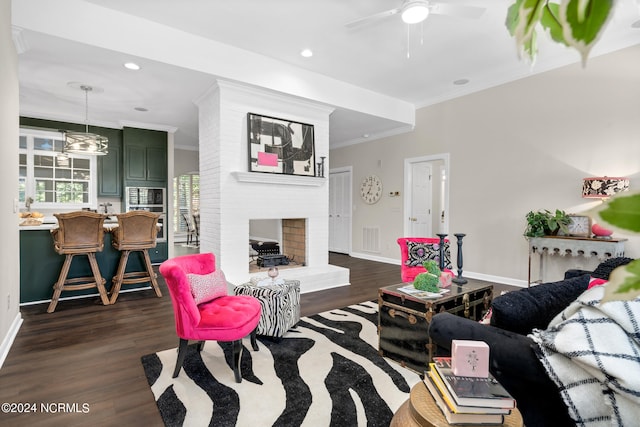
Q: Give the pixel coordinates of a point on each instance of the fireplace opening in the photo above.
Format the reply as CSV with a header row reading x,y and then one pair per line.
x,y
277,243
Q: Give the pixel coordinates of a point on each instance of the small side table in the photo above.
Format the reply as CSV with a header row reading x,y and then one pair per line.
x,y
421,411
280,306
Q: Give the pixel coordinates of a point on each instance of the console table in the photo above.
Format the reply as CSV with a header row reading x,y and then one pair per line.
x,y
573,246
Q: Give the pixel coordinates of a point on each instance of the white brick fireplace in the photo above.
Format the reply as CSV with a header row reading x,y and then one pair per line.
x,y
230,195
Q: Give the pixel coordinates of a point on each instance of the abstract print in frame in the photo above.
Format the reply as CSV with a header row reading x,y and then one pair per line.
x,y
280,146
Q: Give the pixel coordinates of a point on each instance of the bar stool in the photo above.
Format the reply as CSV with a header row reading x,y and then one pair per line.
x,y
136,232
191,229
78,233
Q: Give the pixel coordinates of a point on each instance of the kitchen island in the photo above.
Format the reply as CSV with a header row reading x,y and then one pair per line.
x,y
40,264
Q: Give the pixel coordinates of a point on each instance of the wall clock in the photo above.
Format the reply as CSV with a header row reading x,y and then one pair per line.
x,y
371,189
580,226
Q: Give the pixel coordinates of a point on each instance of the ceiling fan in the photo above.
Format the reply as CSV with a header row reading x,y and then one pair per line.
x,y
416,11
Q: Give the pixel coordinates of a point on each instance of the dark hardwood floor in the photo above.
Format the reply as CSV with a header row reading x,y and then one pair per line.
x,y
86,353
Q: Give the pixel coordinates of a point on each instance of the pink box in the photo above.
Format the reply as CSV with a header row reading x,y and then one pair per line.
x,y
470,358
445,278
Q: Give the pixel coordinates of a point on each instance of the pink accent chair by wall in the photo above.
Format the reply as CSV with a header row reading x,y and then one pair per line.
x,y
415,250
227,318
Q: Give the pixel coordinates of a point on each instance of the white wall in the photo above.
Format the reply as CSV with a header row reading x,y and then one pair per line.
x,y
228,203
518,147
185,162
10,318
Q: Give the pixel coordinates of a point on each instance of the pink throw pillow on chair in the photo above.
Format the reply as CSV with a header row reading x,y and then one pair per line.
x,y
207,287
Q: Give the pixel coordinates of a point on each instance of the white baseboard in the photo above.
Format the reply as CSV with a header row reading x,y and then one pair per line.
x,y
468,274
495,279
371,257
7,342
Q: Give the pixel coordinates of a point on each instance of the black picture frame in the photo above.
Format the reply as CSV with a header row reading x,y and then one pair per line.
x,y
280,146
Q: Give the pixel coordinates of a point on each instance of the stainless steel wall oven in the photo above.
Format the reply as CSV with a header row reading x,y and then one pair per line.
x,y
151,199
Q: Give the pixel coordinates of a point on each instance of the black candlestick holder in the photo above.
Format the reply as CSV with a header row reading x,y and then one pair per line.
x,y
459,279
442,264
320,169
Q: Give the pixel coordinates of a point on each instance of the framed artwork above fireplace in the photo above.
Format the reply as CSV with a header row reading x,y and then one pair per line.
x,y
280,146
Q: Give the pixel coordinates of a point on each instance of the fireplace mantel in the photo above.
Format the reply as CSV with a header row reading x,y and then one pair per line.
x,y
274,178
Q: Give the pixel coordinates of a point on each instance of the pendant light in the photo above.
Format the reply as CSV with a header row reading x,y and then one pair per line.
x,y
85,142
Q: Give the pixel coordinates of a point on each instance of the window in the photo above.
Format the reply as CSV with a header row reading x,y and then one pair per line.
x,y
186,201
50,180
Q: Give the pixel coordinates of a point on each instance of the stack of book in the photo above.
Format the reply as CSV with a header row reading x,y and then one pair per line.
x,y
467,400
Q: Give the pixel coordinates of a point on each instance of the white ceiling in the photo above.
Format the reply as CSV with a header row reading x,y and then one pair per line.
x,y
371,59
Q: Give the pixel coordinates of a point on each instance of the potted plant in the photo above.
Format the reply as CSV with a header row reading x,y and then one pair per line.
x,y
546,223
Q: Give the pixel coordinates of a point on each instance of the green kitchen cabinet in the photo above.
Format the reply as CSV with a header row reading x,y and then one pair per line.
x,y
160,253
110,169
145,158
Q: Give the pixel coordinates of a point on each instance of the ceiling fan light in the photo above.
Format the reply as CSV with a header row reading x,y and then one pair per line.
x,y
414,12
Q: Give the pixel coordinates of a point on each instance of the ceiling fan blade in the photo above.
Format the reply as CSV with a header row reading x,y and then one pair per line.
x,y
372,18
470,12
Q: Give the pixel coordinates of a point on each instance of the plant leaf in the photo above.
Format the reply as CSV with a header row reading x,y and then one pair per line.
x,y
620,212
624,283
583,22
551,21
522,18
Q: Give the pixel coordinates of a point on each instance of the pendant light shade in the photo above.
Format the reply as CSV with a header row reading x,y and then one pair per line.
x,y
602,187
86,142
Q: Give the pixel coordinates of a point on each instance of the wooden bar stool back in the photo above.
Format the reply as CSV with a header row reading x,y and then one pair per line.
x,y
78,233
136,232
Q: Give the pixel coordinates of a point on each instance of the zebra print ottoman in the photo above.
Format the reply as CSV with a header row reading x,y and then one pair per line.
x,y
280,306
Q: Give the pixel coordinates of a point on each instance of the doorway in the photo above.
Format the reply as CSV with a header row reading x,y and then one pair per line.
x,y
340,210
426,189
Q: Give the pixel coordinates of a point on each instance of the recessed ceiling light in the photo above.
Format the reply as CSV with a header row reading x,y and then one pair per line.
x,y
460,82
132,66
365,135
307,53
141,109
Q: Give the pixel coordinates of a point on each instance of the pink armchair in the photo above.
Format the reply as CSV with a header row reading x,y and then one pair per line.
x,y
226,318
415,250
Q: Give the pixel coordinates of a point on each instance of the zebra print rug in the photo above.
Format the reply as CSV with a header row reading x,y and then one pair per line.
x,y
324,372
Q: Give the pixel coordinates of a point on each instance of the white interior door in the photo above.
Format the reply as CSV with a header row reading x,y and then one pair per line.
x,y
420,215
340,211
426,201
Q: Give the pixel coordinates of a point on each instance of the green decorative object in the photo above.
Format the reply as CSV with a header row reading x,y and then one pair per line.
x,y
428,281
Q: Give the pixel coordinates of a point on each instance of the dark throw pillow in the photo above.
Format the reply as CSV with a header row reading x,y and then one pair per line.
x,y
418,253
525,309
605,268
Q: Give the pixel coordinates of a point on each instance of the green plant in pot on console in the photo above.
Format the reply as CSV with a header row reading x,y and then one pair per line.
x,y
429,280
546,223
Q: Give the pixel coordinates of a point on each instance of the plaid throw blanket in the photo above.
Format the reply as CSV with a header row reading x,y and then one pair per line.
x,y
592,352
